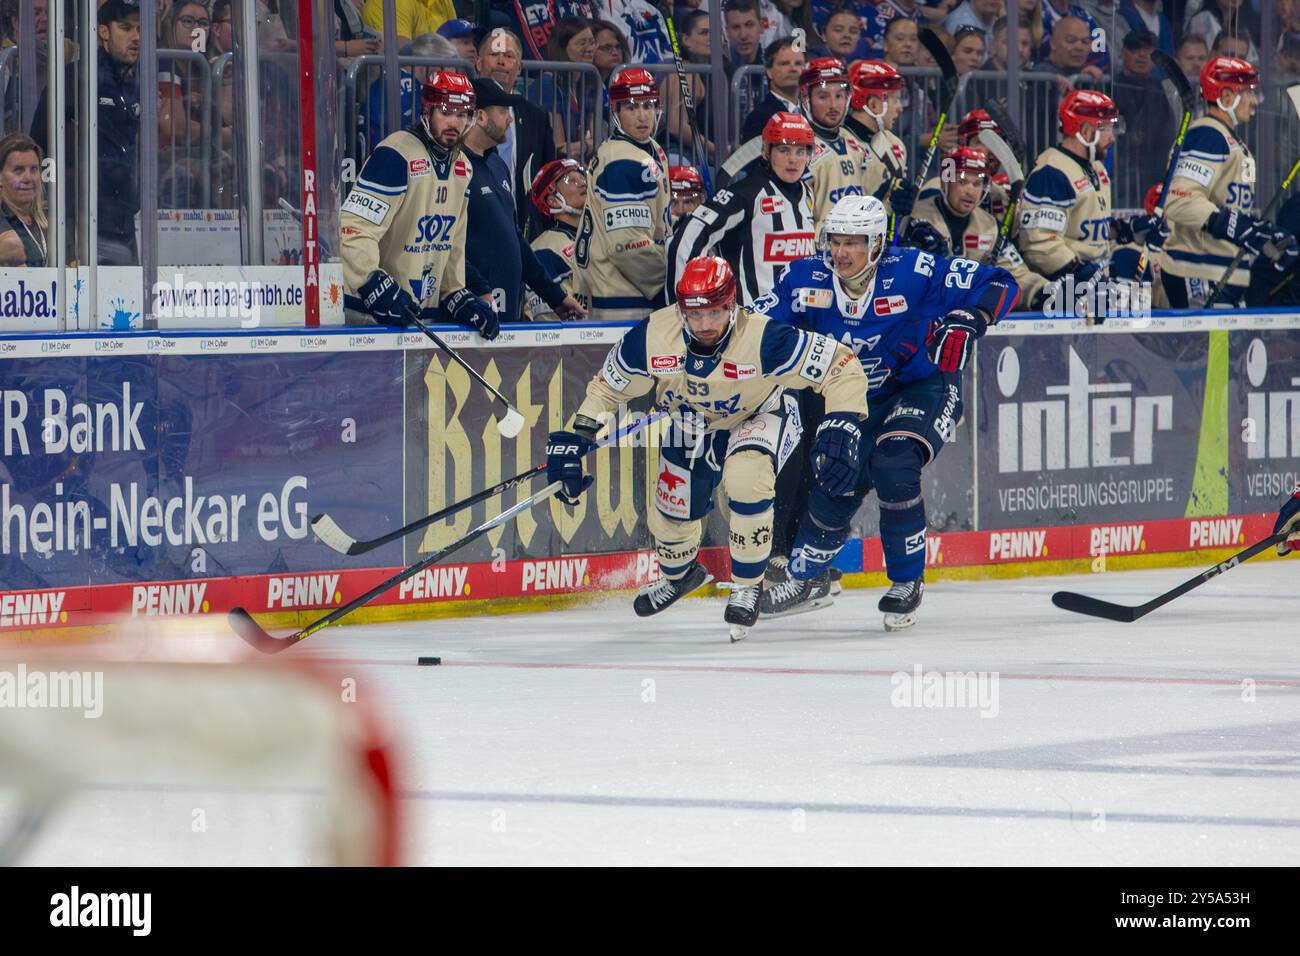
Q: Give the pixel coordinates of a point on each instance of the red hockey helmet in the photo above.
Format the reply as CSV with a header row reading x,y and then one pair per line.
x,y
633,85
873,78
822,71
966,162
449,91
1152,197
974,123
1086,106
706,283
1223,74
546,181
685,182
788,129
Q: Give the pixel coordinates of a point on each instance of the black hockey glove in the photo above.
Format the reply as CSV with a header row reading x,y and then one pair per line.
x,y
464,306
951,340
1239,228
388,302
1288,519
834,453
1281,251
564,454
902,200
925,237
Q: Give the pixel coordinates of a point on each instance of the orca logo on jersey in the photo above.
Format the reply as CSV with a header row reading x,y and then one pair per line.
x,y
788,246
671,501
888,305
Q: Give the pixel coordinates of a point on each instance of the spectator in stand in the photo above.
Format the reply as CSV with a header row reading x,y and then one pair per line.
x,y
1149,125
841,36
900,42
22,204
352,39
1192,54
782,64
1098,60
464,37
744,29
118,164
611,50
693,36
414,17
1240,45
185,27
1000,51
409,82
1215,16
496,253
571,98
1068,51
530,138
980,14
968,49
1149,15
271,33
923,57
783,18
11,35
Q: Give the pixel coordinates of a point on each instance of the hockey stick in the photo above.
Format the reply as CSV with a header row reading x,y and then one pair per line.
x,y
327,529
1294,93
688,103
951,83
1003,153
1126,614
1174,76
513,422
1011,134
242,623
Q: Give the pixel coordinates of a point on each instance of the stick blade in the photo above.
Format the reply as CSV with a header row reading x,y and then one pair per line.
x,y
1294,93
332,535
1174,75
1082,604
1003,153
512,424
242,623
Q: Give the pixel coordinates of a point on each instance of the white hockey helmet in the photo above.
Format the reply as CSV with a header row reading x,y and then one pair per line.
x,y
857,216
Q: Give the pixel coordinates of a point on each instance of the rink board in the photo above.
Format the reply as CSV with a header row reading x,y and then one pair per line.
x,y
161,474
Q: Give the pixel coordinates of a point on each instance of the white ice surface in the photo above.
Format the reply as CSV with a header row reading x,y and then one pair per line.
x,y
591,736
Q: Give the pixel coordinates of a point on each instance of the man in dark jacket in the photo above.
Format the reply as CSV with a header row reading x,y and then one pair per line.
x,y
495,250
782,63
530,137
119,132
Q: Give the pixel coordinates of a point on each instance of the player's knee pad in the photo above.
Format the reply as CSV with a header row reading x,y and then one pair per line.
x,y
895,467
676,542
749,480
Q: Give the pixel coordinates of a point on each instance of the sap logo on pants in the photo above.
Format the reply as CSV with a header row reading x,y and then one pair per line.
x,y
312,590
1214,533
563,574
163,599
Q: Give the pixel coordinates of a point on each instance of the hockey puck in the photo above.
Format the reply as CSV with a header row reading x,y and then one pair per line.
x,y
430,660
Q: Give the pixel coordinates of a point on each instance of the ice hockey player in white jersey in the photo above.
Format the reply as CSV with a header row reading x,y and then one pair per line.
x,y
403,224
723,374
622,249
838,164
1212,196
966,228
559,191
763,223
913,319
1067,225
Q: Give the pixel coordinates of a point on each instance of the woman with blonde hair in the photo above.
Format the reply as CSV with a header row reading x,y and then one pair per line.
x,y
22,203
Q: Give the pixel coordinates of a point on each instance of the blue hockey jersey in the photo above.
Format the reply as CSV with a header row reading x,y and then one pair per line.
x,y
888,326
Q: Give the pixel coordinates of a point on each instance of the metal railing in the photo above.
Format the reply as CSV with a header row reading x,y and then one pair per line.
x,y
674,132
575,97
748,86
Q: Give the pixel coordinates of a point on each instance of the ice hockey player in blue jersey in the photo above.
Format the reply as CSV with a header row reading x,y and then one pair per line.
x,y
912,318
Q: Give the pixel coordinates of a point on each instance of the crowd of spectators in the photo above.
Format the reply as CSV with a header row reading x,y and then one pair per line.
x,y
1103,44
